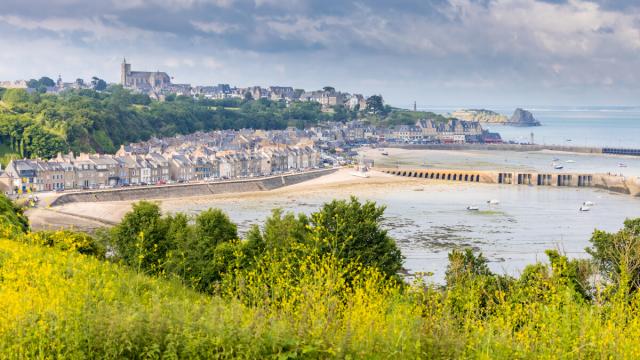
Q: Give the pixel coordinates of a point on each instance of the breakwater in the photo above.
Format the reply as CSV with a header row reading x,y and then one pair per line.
x,y
190,189
619,184
517,147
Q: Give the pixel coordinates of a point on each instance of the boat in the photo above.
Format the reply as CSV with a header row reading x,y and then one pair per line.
x,y
622,165
588,203
472,208
584,208
570,161
556,159
493,202
558,167
385,153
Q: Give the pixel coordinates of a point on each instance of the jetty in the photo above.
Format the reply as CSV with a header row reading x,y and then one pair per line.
x,y
619,184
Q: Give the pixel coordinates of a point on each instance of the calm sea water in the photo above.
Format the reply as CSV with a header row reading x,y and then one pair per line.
x,y
581,126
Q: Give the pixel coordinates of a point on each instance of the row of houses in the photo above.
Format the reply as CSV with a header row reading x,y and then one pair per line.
x,y
93,171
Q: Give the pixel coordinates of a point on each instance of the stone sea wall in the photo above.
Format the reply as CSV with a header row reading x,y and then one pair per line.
x,y
188,190
619,184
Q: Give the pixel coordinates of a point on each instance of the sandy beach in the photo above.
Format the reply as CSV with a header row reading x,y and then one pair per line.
x,y
85,216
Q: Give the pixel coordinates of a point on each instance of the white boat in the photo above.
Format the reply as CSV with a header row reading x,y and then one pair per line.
x,y
570,161
493,202
584,208
588,203
472,208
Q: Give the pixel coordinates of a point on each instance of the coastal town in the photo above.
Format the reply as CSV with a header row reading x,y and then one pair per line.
x,y
225,154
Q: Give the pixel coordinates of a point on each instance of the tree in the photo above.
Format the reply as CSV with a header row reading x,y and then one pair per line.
x,y
140,238
214,227
329,89
463,265
46,81
352,231
248,96
79,82
98,84
618,254
375,104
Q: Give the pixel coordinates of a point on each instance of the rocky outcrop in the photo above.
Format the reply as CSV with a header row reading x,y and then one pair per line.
x,y
522,117
480,115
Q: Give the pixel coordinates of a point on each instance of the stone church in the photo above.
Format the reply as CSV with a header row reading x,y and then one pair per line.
x,y
142,80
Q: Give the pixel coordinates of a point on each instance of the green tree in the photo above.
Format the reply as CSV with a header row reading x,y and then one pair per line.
x,y
375,104
140,238
618,254
464,265
352,231
98,84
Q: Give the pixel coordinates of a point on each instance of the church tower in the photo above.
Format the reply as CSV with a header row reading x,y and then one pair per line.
x,y
125,70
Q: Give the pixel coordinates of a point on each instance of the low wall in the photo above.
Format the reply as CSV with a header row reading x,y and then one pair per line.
x,y
617,184
187,190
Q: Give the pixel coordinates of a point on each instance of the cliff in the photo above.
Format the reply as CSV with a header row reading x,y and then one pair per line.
x,y
522,117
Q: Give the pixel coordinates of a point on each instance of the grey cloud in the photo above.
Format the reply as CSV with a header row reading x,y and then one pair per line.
x,y
525,46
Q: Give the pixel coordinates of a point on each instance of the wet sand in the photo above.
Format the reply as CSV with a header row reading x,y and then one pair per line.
x,y
113,211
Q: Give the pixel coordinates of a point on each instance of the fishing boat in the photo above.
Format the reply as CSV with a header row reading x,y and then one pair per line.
x,y
472,208
585,208
588,203
558,166
493,202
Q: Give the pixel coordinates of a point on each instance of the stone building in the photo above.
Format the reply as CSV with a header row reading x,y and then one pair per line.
x,y
142,80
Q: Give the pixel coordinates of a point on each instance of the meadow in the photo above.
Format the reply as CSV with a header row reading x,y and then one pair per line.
x,y
62,295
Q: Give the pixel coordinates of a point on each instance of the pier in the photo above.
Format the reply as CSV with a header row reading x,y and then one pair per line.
x,y
619,184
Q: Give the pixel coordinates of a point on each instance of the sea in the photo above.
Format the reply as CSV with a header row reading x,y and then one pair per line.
x,y
591,126
428,220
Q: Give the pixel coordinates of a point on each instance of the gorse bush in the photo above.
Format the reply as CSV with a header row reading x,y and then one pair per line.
x,y
298,287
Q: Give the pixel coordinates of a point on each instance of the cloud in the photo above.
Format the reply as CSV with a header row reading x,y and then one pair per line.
x,y
563,48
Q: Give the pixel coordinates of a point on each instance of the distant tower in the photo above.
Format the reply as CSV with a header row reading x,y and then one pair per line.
x,y
532,138
415,107
125,70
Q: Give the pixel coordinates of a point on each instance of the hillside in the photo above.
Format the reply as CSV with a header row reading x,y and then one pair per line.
x,y
40,125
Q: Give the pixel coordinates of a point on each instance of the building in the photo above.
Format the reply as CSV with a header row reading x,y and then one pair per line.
x,y
143,80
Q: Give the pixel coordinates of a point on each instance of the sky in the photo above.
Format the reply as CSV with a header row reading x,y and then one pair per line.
x,y
434,52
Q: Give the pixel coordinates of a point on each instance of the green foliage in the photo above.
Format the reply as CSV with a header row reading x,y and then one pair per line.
x,y
618,254
296,298
12,219
351,231
66,240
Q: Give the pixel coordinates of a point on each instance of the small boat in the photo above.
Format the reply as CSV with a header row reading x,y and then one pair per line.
x,y
622,165
556,159
493,202
472,208
584,208
588,203
385,153
558,167
570,161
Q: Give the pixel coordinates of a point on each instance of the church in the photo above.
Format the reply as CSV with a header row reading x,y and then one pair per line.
x,y
142,80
